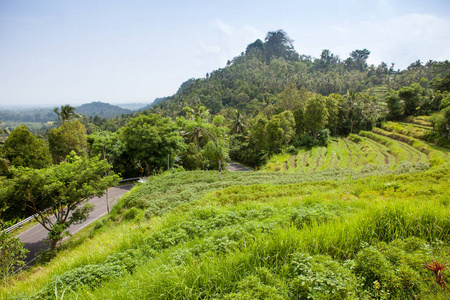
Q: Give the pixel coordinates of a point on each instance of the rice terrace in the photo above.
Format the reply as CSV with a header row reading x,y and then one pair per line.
x,y
263,173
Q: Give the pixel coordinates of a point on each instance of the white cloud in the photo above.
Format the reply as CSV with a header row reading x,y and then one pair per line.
x,y
411,37
223,27
400,40
224,43
209,48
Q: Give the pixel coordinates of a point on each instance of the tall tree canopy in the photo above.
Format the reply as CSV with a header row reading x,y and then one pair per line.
x,y
149,139
278,44
23,149
316,114
70,136
56,193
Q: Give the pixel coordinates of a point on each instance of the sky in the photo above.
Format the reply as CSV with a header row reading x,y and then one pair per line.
x,y
57,52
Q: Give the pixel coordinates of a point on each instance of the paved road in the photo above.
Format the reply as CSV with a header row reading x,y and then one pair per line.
x,y
34,237
234,166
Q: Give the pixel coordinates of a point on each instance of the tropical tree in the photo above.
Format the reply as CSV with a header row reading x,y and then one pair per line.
x,y
316,115
4,132
352,107
217,148
12,253
70,136
237,122
108,146
372,109
411,98
67,113
56,193
23,149
150,139
280,130
395,106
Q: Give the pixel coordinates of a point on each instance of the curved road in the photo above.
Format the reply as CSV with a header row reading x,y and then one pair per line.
x,y
34,237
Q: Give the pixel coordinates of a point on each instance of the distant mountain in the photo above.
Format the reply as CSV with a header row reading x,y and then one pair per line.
x,y
156,101
103,110
132,106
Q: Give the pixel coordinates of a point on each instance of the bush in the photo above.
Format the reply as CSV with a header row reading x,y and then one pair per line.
x,y
131,213
115,265
320,277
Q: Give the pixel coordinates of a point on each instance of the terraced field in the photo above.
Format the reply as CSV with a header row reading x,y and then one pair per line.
x,y
395,145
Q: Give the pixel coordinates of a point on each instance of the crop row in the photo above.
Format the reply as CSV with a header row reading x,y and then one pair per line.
x,y
378,147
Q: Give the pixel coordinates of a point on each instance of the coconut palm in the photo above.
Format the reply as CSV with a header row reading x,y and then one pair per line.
x,y
352,106
67,113
237,123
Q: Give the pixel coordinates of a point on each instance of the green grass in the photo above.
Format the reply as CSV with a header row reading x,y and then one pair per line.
x,y
354,220
213,243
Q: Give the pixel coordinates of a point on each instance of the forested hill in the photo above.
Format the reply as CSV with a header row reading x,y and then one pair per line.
x,y
258,77
103,110
155,102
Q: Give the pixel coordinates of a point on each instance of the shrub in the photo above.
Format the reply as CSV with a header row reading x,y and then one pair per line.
x,y
130,213
320,277
116,265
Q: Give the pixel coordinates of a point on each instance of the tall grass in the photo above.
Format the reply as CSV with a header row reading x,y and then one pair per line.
x,y
215,245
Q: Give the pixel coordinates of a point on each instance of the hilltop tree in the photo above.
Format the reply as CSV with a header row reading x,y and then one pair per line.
x,y
359,58
278,44
23,149
56,193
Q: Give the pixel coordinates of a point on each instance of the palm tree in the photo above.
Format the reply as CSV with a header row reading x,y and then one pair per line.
x,y
4,132
237,123
67,113
352,106
372,109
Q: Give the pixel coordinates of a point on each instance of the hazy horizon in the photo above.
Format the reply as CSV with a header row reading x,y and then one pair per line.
x,y
76,52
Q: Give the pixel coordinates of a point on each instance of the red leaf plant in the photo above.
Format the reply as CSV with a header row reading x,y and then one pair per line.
x,y
437,268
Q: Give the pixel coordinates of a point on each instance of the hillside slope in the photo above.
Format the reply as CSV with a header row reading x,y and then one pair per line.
x,y
329,240
324,233
396,146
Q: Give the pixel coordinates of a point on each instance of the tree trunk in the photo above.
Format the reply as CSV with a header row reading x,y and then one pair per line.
x,y
315,135
220,169
107,200
53,245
